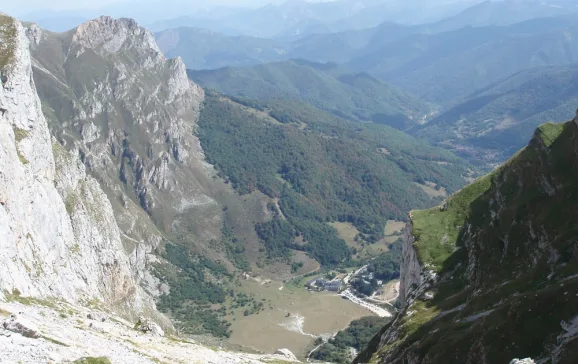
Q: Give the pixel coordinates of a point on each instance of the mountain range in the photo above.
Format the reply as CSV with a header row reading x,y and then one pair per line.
x,y
495,122
120,136
168,196
325,86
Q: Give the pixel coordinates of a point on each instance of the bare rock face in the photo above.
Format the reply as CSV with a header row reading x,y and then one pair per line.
x,y
112,98
522,361
58,234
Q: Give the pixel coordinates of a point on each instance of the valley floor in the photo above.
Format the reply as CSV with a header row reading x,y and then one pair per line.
x,y
296,319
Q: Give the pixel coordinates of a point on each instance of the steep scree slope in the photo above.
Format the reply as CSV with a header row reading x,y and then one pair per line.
x,y
491,274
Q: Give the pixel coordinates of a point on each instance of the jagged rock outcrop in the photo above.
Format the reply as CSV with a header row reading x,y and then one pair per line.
x,y
147,326
58,235
491,274
75,240
111,96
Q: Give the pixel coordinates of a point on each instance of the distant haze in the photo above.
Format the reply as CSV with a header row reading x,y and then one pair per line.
x,y
23,7
238,17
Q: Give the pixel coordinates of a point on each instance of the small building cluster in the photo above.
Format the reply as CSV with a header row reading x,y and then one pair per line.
x,y
320,284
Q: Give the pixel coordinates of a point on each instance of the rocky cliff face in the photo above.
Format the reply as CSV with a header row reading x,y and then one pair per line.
x,y
130,114
58,234
74,241
491,274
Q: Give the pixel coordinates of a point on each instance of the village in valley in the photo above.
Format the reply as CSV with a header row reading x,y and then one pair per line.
x,y
360,287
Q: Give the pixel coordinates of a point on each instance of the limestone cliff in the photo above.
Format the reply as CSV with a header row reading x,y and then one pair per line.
x,y
490,275
58,234
71,280
110,95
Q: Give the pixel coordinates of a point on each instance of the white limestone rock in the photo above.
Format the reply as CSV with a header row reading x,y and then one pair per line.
x,y
522,361
147,326
287,354
58,234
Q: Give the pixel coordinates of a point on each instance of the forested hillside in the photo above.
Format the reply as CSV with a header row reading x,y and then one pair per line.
x,y
325,86
320,168
491,124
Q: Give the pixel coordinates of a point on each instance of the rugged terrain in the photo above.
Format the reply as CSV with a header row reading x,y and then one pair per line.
x,y
326,86
490,275
78,223
69,333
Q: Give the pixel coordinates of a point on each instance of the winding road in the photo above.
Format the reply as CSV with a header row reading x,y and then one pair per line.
x,y
373,308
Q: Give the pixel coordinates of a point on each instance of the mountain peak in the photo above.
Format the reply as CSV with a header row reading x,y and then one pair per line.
x,y
110,35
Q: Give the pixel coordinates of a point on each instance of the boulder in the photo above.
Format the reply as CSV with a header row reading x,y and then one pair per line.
x,y
147,326
523,361
287,354
21,326
96,316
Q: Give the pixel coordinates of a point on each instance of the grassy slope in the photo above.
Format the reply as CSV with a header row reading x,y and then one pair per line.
x,y
514,295
7,38
327,87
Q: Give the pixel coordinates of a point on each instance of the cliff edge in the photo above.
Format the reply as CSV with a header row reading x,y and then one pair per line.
x,y
491,274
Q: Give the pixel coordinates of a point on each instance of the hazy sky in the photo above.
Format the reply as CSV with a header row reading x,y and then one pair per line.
x,y
19,7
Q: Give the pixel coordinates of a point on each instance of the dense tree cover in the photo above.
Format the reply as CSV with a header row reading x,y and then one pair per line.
x,y
356,336
278,236
234,248
330,88
385,267
322,169
192,293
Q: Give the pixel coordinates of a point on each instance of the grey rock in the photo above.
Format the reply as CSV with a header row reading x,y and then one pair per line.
x,y
96,327
96,316
148,326
21,326
287,354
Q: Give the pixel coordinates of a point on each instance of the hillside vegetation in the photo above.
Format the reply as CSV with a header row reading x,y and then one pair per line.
x,y
504,252
325,86
491,124
204,49
320,168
